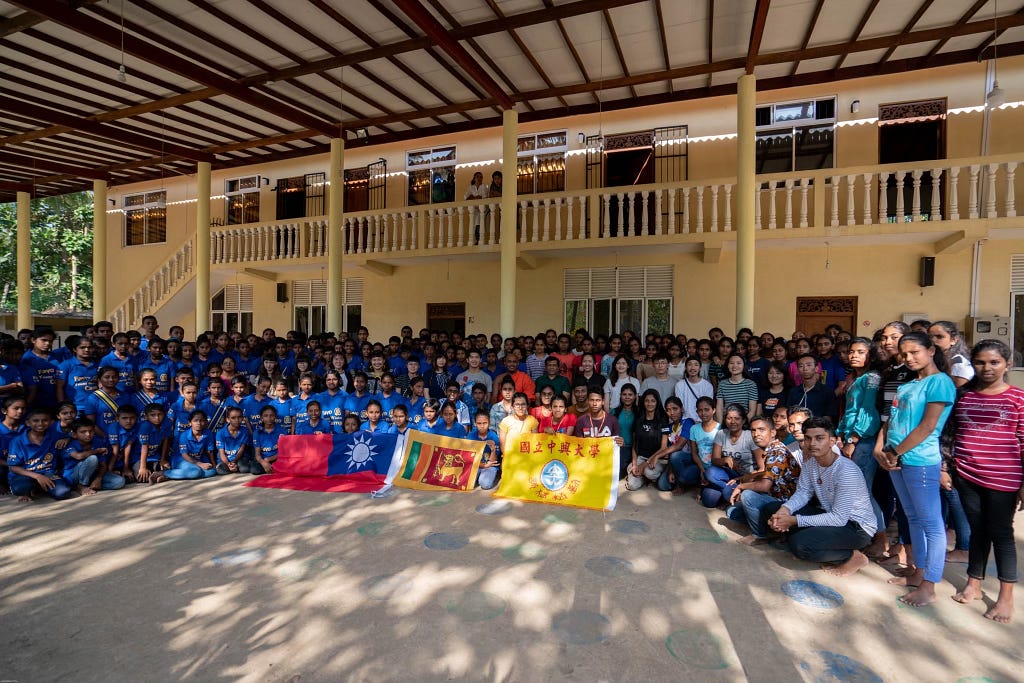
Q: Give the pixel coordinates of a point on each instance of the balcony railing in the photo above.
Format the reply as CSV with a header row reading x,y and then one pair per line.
x,y
843,198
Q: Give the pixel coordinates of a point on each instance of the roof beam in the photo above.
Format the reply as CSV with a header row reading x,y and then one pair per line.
x,y
6,186
525,50
572,50
860,29
964,18
910,25
988,42
432,27
618,49
757,32
153,54
663,39
711,37
78,123
807,35
45,165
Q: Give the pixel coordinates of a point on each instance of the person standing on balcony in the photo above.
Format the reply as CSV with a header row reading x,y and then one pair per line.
x,y
476,190
495,188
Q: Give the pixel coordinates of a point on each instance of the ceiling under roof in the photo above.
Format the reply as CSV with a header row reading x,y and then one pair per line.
x,y
235,82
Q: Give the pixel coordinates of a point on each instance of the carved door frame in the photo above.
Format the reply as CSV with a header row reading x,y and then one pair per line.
x,y
814,313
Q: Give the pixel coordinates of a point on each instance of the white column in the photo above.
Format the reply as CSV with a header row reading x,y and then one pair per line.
x,y
509,188
335,242
202,246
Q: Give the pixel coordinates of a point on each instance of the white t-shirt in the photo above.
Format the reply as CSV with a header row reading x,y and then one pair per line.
x,y
616,389
688,393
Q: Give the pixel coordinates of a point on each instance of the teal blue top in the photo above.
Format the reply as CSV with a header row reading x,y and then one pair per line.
x,y
861,415
908,410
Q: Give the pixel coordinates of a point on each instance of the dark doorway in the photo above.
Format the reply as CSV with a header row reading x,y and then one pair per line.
x,y
449,317
915,139
301,196
623,168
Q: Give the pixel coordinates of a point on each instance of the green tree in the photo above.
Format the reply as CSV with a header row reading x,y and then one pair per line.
x,y
61,259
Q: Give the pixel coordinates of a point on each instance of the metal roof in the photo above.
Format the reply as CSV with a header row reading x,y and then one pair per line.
x,y
235,82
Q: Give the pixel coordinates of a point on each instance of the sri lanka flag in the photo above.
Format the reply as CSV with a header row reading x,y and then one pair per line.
x,y
439,463
354,463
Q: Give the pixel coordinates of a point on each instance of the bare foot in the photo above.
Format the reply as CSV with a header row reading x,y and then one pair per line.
x,y
25,499
853,565
1000,612
912,580
753,540
956,556
86,491
923,595
678,491
904,571
971,591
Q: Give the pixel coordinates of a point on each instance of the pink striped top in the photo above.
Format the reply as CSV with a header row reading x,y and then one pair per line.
x,y
989,439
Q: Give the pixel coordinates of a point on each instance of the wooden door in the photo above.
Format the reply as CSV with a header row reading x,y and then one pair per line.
x,y
815,313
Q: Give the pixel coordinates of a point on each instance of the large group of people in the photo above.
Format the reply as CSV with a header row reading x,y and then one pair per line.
x,y
820,442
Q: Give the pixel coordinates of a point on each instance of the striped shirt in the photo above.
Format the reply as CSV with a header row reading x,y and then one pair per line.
x,y
740,392
989,438
841,492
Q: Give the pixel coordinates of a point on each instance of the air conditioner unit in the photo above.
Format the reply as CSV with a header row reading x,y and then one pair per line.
x,y
989,327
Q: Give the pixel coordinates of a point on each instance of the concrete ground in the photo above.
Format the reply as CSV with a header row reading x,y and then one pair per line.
x,y
211,581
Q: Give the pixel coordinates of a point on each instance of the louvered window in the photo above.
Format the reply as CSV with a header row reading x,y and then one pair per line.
x,y
231,309
607,300
309,304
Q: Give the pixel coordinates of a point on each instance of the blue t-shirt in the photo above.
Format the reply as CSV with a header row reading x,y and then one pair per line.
x,y
389,402
233,446
74,447
98,404
126,368
251,407
140,399
122,438
300,414
164,369
199,449
247,366
474,435
41,458
705,441
415,409
908,410
178,414
285,416
79,381
10,374
321,427
357,404
456,431
265,443
333,407
153,436
215,413
382,427
42,374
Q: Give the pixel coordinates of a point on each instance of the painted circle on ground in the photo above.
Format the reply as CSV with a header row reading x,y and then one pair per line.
x,y
240,557
443,540
299,571
494,507
384,586
527,552
319,519
609,566
702,535
698,649
476,606
811,594
437,501
976,679
581,627
371,528
832,667
561,517
630,526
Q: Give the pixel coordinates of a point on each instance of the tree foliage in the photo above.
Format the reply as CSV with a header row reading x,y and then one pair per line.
x,y
61,258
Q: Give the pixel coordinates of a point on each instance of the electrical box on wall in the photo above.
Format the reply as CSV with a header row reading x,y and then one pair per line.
x,y
989,327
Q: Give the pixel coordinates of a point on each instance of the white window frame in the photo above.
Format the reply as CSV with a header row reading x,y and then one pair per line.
x,y
313,294
645,283
792,127
154,200
532,158
431,166
238,187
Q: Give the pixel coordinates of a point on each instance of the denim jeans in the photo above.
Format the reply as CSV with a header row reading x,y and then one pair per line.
x,y
717,488
85,471
864,458
488,478
682,465
990,514
753,504
953,515
918,491
188,470
24,486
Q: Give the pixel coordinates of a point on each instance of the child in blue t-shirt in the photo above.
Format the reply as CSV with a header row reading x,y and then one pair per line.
x,y
253,404
123,439
215,406
490,467
85,460
314,423
265,441
374,414
33,460
301,401
156,437
282,402
234,442
193,456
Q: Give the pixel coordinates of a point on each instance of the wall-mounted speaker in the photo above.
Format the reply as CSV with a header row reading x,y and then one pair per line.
x,y
282,292
927,271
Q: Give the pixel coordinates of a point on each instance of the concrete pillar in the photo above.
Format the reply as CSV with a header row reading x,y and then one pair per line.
x,y
202,250
24,259
509,197
746,194
335,238
99,250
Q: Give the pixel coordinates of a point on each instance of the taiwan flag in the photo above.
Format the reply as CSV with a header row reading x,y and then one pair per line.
x,y
353,463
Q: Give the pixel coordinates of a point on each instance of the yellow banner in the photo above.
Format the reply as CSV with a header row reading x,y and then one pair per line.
x,y
561,470
439,463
